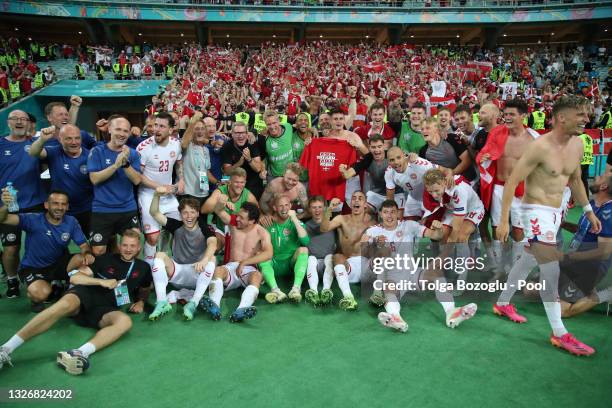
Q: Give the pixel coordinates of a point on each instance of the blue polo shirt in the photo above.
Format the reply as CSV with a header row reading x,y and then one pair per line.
x,y
70,174
116,194
45,243
17,166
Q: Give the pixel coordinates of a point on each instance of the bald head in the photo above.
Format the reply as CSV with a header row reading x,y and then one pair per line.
x,y
70,139
487,116
395,151
211,126
69,129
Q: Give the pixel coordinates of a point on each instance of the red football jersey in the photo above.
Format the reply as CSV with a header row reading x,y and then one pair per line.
x,y
322,158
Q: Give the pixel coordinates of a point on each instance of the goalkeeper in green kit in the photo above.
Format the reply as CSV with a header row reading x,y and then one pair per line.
x,y
289,241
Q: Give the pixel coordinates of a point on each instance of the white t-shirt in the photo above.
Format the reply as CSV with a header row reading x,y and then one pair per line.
x,y
411,180
157,162
405,233
463,199
136,68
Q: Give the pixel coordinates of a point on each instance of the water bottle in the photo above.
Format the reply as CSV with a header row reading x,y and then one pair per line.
x,y
13,205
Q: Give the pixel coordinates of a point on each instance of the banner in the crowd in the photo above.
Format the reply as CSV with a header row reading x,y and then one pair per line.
x,y
375,67
438,88
435,101
484,66
509,90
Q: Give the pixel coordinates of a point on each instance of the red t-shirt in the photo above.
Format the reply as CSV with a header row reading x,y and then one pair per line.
x,y
4,81
322,158
364,132
26,85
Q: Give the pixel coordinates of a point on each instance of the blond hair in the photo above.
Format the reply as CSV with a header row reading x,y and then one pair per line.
x,y
434,176
295,168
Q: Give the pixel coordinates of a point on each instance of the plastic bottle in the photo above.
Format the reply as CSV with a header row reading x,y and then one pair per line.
x,y
13,205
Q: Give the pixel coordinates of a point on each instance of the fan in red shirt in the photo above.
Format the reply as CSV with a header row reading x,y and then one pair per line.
x,y
376,125
148,71
3,79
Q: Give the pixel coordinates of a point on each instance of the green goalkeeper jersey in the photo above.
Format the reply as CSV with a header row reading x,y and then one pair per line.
x,y
285,239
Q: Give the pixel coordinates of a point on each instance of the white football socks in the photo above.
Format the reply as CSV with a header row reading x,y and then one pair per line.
x,y
87,349
312,274
343,282
160,279
216,291
13,343
149,253
202,282
249,295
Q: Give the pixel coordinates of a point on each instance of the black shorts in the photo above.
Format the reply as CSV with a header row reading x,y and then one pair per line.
x,y
57,271
579,279
105,225
96,301
84,220
10,235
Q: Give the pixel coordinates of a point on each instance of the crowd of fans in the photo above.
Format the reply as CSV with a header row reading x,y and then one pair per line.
x,y
20,74
222,82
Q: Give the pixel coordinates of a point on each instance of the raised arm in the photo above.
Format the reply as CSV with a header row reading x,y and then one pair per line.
x,y
37,149
188,136
327,224
220,209
75,105
154,209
